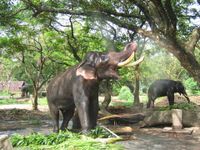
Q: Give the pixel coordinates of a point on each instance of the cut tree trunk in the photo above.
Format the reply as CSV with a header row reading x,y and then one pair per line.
x,y
35,100
107,98
5,143
177,119
137,86
123,118
164,118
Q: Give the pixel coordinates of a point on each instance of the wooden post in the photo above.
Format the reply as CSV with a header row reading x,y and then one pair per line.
x,y
5,143
177,119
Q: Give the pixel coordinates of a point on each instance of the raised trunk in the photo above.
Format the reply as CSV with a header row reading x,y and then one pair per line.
x,y
129,50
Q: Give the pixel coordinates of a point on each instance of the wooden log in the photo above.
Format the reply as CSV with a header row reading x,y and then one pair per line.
x,y
121,129
129,117
177,131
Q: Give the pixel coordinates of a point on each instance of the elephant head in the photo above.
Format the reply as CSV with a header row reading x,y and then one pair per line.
x,y
181,90
98,65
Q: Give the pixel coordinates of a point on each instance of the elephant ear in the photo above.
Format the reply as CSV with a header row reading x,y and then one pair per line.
x,y
180,88
86,73
88,67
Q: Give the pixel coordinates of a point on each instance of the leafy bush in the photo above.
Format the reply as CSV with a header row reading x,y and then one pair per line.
x,y
125,94
99,132
192,86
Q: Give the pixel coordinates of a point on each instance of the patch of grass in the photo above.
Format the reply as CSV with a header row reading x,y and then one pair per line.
x,y
125,104
4,93
42,101
63,140
183,106
35,121
12,101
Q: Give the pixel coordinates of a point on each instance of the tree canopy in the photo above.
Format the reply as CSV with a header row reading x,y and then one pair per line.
x,y
169,23
47,36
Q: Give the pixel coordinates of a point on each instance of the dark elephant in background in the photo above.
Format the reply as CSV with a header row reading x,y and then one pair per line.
x,y
78,87
26,89
167,88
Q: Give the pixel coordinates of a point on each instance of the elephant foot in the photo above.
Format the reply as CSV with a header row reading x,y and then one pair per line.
x,y
85,132
56,130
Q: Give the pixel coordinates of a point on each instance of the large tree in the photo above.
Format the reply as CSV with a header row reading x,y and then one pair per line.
x,y
167,22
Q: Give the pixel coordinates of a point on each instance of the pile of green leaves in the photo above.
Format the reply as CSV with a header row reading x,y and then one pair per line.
x,y
183,106
63,140
99,132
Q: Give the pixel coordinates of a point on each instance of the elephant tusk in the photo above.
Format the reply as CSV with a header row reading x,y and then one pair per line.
x,y
128,60
136,62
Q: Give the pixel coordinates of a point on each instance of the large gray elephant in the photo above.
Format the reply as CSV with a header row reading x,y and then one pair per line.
x,y
78,86
165,87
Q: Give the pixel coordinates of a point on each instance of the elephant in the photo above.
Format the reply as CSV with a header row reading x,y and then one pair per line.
x,y
165,87
25,89
77,87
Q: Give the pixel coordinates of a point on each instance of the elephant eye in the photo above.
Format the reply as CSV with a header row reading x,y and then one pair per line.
x,y
104,58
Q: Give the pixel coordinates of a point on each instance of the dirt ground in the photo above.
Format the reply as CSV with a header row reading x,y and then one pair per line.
x,y
20,118
24,112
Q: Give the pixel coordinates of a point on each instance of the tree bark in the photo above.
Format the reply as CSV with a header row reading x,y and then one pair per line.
x,y
137,86
35,99
107,98
182,53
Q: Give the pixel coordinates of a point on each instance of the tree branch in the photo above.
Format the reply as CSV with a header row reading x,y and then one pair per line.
x,y
192,40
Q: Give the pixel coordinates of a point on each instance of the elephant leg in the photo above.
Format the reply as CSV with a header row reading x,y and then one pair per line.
x,y
76,121
93,111
23,94
67,115
83,114
170,97
81,101
54,111
150,103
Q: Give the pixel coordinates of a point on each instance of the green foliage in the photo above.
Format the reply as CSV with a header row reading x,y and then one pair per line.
x,y
192,86
99,132
40,139
183,106
62,140
11,101
4,93
41,101
125,94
